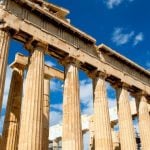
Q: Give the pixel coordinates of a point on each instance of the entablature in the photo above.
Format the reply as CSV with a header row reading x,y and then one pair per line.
x,y
35,14
123,64
28,32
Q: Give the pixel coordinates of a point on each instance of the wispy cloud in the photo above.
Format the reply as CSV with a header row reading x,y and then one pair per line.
x,y
86,96
112,102
55,117
113,3
138,38
57,107
121,36
56,85
50,63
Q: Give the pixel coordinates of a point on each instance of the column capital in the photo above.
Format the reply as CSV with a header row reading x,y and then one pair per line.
x,y
69,60
139,94
31,44
16,65
123,85
41,45
96,74
46,77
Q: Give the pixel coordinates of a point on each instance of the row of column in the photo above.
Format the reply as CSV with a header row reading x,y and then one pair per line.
x,y
35,109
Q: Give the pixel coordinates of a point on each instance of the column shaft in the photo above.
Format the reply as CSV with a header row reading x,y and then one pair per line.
x,y
72,132
46,115
32,106
4,44
126,130
10,134
144,123
103,138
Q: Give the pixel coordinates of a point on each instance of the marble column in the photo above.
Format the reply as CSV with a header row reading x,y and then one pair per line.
x,y
4,46
32,105
144,123
72,132
126,130
10,133
46,114
103,137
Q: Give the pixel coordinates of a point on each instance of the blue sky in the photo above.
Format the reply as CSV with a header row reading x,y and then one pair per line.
x,y
113,21
121,24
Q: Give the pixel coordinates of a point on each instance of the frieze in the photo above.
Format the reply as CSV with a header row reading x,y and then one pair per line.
x,y
127,69
50,26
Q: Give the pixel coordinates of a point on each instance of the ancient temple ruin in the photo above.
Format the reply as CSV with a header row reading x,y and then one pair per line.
x,y
44,30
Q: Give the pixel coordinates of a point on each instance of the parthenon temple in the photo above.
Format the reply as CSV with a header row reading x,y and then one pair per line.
x,y
44,30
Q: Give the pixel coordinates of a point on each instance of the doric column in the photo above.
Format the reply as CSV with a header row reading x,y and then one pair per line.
x,y
32,106
144,123
103,137
126,130
4,44
10,134
72,132
45,142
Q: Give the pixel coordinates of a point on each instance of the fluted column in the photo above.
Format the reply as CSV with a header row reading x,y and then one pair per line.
x,y
103,137
10,134
144,123
72,132
45,142
32,106
126,130
4,44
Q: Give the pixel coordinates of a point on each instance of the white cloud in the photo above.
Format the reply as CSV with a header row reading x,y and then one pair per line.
x,y
55,85
86,90
113,3
86,96
138,38
50,63
56,106
120,38
55,117
112,102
